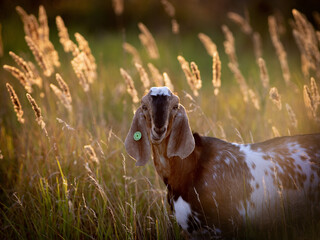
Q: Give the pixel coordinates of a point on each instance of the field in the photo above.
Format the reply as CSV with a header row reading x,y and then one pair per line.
x,y
64,172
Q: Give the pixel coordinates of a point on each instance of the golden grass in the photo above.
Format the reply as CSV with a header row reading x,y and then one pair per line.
x,y
16,103
148,41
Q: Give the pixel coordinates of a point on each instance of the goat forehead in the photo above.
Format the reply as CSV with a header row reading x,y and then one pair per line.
x,y
160,91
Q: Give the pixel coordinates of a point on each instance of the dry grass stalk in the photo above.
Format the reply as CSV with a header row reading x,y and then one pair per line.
x,y
130,85
169,8
133,51
257,45
241,21
148,41
223,135
84,47
196,74
28,69
23,64
175,26
281,53
311,99
42,62
264,76
37,112
43,29
117,7
63,93
30,23
156,75
254,99
275,132
143,76
309,102
207,43
292,116
64,35
314,90
168,82
20,76
275,97
229,45
306,39
37,80
91,154
240,80
16,103
216,73
171,12
1,42
64,87
79,69
38,33
46,46
194,83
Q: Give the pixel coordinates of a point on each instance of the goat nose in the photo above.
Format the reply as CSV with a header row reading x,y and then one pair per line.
x,y
159,131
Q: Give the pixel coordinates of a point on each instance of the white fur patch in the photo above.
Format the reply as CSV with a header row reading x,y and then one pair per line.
x,y
182,211
264,167
164,91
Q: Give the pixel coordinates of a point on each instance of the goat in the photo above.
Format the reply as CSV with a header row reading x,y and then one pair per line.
x,y
216,186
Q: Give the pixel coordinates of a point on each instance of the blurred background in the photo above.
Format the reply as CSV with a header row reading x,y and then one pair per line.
x,y
98,17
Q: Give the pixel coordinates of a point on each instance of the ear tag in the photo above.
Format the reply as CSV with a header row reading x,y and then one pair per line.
x,y
137,136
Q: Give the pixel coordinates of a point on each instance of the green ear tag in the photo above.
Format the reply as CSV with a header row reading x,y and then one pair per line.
x,y
137,136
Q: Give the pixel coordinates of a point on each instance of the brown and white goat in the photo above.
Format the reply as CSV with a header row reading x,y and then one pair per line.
x,y
216,186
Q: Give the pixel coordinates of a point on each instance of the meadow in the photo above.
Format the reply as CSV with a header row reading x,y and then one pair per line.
x,y
67,102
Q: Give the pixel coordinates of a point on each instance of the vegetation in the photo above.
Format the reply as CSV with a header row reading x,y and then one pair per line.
x,y
64,172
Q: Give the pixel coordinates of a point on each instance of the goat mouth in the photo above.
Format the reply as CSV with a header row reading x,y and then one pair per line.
x,y
156,139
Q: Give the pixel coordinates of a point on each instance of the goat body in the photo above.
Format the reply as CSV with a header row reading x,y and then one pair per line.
x,y
216,186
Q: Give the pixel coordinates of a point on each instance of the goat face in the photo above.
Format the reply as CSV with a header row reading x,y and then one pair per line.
x,y
160,117
159,110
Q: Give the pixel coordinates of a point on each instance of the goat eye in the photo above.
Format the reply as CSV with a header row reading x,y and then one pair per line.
x,y
175,107
144,107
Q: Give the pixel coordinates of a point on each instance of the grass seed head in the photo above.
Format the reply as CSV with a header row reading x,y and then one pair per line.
x,y
264,76
37,111
292,116
156,75
42,62
241,21
216,72
143,76
275,97
133,51
148,41
209,45
167,81
20,76
16,103
130,85
117,7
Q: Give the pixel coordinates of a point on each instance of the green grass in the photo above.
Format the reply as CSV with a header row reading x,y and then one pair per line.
x,y
51,189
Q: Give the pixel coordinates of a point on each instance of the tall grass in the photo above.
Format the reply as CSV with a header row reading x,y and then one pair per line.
x,y
65,173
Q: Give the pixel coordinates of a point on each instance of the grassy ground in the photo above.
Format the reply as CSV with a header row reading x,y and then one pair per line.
x,y
51,187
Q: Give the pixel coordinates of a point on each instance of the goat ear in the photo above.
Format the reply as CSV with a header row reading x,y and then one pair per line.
x,y
138,148
181,142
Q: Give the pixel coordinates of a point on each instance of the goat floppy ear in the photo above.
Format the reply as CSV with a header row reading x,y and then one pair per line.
x,y
138,148
181,142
